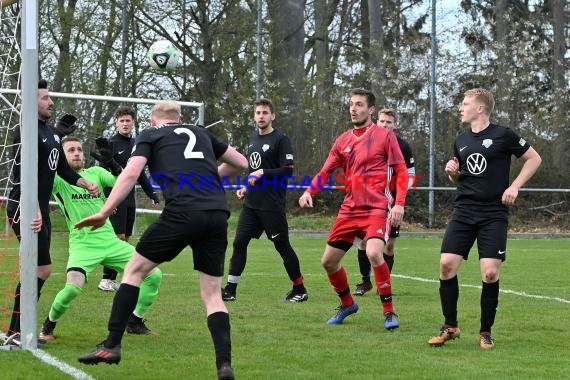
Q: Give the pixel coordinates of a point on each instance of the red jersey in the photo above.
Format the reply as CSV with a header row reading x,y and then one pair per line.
x,y
365,163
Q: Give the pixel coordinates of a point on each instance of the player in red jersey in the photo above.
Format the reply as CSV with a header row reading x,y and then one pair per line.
x,y
364,154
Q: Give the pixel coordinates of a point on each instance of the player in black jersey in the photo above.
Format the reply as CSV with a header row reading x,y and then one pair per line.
x,y
480,168
270,161
387,118
182,160
123,220
49,163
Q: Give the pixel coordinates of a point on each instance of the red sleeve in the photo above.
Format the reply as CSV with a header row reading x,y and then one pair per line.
x,y
332,163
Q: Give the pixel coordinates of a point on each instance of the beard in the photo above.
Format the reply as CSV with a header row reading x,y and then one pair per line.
x,y
359,123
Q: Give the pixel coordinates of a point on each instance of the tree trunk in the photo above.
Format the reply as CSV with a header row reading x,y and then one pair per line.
x,y
503,73
560,117
288,76
376,53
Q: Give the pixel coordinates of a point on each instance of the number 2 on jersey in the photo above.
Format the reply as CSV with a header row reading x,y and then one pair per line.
x,y
188,152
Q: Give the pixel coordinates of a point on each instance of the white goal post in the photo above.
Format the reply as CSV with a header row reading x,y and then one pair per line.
x,y
117,99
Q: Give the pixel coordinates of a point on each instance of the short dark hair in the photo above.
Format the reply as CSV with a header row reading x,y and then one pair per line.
x,y
370,97
42,83
125,110
70,139
265,102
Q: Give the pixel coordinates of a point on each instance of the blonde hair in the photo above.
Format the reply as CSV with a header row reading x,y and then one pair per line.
x,y
390,112
483,96
167,110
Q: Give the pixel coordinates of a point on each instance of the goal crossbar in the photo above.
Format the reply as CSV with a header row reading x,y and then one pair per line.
x,y
118,99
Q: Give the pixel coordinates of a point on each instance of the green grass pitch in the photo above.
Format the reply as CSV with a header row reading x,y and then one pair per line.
x,y
275,340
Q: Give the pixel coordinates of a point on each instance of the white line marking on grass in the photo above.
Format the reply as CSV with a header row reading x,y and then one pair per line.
x,y
63,367
506,291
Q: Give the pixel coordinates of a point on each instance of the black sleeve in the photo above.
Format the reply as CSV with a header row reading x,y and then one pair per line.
x,y
408,155
285,159
64,171
219,146
143,182
279,172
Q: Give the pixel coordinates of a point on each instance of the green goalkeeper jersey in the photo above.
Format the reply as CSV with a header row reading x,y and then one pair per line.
x,y
76,203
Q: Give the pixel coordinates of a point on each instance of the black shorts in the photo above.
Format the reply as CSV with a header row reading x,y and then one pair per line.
x,y
44,236
123,220
490,233
206,232
252,223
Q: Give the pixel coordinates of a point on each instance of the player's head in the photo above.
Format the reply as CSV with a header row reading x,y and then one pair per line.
x,y
263,113
167,111
73,149
125,118
476,102
45,104
362,107
388,118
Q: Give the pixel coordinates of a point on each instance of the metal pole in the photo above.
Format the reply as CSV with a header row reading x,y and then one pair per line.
x,y
258,68
29,175
125,27
433,114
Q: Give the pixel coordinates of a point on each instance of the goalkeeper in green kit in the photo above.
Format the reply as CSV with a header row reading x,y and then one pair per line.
x,y
87,248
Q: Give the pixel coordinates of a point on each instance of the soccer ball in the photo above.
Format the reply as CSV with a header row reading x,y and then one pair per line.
x,y
163,55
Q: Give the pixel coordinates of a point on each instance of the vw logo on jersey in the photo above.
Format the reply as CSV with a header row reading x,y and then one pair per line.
x,y
53,159
487,143
255,160
476,163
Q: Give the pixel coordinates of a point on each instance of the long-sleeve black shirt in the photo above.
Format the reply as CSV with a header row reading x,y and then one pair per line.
x,y
122,148
51,160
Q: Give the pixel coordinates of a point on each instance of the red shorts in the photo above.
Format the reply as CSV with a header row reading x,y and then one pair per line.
x,y
346,229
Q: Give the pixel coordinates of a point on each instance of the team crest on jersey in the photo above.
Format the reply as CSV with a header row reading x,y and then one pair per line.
x,y
53,159
265,147
487,143
522,142
56,137
380,231
476,163
288,156
411,160
347,149
255,160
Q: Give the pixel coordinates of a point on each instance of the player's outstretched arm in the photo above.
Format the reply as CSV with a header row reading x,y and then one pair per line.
x,y
233,162
95,221
125,183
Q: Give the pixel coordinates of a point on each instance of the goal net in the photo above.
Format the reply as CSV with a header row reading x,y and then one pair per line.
x,y
10,105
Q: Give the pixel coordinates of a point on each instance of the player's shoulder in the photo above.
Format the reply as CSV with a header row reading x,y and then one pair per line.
x,y
94,169
279,135
94,172
402,141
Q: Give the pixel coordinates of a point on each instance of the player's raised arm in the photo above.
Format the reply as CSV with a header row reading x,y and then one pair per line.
x,y
233,162
122,188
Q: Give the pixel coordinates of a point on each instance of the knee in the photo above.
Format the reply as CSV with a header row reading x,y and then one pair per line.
x,y
490,275
447,270
44,271
329,265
